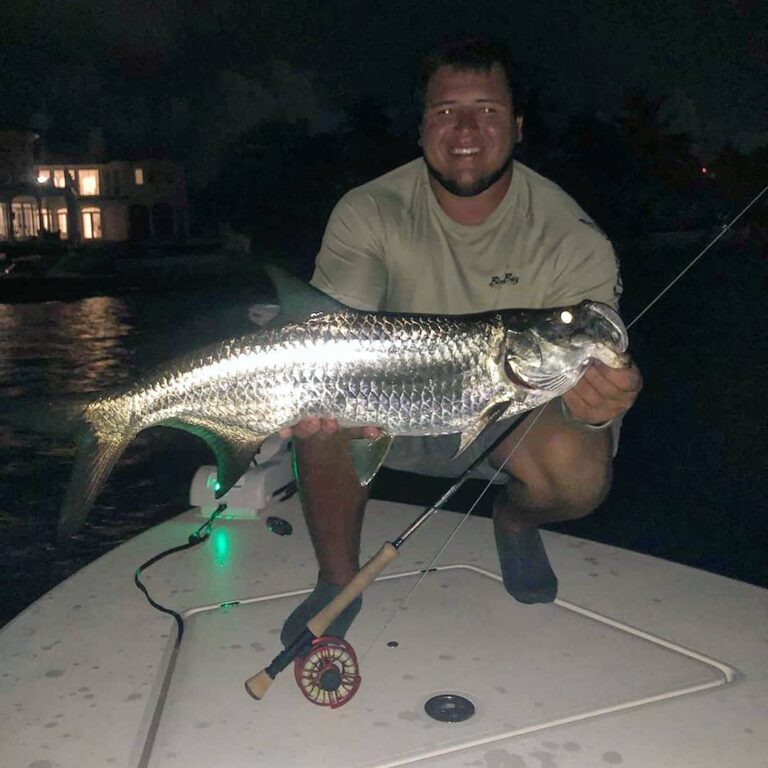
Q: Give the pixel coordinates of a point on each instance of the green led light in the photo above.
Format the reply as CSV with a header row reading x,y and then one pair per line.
x,y
212,483
221,547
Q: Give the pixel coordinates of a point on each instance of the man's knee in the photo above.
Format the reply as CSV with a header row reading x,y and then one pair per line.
x,y
566,475
580,478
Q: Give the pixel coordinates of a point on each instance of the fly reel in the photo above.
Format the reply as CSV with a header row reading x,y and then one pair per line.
x,y
328,674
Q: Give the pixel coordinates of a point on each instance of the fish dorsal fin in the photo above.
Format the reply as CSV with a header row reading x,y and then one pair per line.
x,y
487,417
233,448
368,456
297,299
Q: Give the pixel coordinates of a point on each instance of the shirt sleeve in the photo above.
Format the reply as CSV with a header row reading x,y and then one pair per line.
x,y
587,270
350,265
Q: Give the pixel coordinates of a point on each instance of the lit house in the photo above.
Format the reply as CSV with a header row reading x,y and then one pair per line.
x,y
80,202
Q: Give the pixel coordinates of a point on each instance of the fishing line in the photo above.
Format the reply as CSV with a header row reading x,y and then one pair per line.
x,y
725,228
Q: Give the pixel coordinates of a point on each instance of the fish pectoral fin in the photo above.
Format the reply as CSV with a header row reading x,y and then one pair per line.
x,y
368,456
233,447
487,417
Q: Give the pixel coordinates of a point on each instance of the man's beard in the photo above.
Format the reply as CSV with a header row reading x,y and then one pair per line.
x,y
476,187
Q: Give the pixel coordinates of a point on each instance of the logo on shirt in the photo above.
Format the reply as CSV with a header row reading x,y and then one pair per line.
x,y
506,279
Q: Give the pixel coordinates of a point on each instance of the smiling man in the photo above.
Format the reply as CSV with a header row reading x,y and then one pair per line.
x,y
468,134
466,229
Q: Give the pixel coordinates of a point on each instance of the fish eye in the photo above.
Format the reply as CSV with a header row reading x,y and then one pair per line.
x,y
566,317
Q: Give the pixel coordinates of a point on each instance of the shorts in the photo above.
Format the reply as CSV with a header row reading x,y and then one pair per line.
x,y
433,456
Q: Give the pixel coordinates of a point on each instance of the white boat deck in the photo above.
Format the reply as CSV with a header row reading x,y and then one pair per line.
x,y
640,663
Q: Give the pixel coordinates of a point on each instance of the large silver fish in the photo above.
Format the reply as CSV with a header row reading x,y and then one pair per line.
x,y
408,374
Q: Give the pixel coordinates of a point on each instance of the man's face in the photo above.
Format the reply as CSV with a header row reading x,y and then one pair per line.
x,y
469,129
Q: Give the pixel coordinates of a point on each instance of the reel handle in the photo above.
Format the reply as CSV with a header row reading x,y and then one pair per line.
x,y
258,684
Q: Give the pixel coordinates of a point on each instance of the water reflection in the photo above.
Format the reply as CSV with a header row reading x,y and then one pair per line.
x,y
64,348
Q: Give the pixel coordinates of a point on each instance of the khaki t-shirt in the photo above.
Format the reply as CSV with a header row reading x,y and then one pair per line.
x,y
390,246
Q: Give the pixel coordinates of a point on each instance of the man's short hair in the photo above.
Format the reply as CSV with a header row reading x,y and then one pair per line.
x,y
473,54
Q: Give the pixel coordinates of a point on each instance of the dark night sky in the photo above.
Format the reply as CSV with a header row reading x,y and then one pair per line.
x,y
196,73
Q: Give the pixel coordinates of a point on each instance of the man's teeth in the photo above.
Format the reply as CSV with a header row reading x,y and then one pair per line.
x,y
465,150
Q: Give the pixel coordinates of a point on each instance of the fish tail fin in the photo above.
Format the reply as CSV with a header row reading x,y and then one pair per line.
x,y
96,455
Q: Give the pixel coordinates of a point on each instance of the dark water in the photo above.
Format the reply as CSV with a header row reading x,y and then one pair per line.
x,y
690,477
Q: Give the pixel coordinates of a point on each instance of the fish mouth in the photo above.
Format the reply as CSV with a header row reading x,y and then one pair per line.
x,y
610,327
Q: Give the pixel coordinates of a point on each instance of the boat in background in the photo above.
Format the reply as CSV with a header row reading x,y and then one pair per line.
x,y
640,662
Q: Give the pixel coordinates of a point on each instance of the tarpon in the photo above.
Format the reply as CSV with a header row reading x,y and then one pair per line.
x,y
410,374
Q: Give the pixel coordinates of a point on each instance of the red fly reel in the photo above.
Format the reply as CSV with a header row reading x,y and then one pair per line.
x,y
328,674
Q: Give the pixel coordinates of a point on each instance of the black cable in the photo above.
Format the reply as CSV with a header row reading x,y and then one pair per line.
x,y
198,537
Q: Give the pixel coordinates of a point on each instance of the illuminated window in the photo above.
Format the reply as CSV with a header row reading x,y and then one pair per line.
x,y
61,216
3,222
89,183
25,221
58,178
138,175
43,175
91,223
47,220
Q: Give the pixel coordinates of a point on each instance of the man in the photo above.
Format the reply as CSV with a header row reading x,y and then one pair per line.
x,y
466,229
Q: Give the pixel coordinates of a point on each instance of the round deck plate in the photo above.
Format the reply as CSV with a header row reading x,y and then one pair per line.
x,y
449,708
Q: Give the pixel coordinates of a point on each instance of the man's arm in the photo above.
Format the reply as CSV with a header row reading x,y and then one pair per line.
x,y
350,265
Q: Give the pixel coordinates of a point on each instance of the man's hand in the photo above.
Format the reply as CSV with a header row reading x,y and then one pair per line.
x,y
324,428
603,393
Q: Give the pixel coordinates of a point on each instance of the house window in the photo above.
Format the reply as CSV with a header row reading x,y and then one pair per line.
x,y
89,182
25,221
43,175
61,216
58,178
47,220
3,222
138,175
91,223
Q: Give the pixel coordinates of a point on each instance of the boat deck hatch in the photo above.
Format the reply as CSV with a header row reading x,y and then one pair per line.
x,y
462,664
